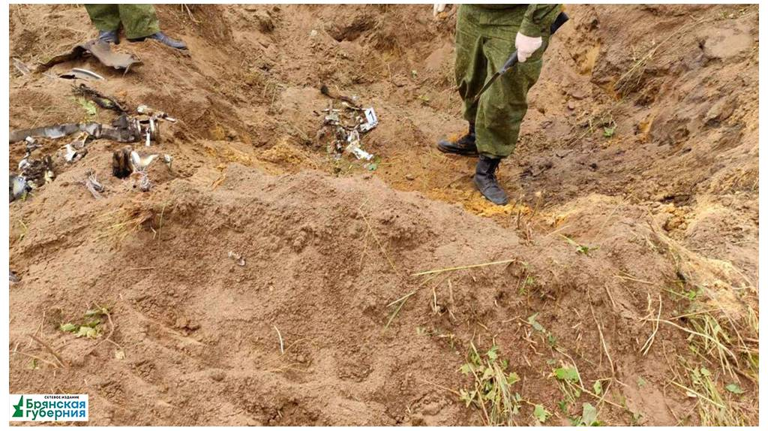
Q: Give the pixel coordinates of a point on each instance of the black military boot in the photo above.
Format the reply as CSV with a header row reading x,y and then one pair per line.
x,y
464,146
485,180
164,39
109,37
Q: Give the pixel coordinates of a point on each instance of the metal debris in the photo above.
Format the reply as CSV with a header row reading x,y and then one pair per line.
x,y
240,260
334,95
77,73
33,173
359,152
347,124
13,278
354,146
31,145
125,129
144,184
93,185
39,172
140,165
146,110
102,51
79,142
104,101
70,155
121,163
18,187
96,130
168,160
21,67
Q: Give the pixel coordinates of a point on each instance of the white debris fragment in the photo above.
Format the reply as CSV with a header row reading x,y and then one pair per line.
x,y
70,155
371,120
240,260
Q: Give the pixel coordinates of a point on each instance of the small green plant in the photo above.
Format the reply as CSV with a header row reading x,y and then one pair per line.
x,y
734,388
540,413
641,382
88,106
491,390
90,327
570,384
580,248
538,327
588,417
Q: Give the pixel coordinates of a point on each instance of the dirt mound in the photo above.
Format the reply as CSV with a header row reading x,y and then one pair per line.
x,y
263,281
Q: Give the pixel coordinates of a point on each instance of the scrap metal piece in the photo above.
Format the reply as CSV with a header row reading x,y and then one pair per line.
x,y
121,163
30,145
139,163
71,155
21,67
53,132
78,73
144,184
13,278
132,132
93,185
18,187
101,50
79,142
354,146
104,101
334,95
154,114
240,260
38,172
360,153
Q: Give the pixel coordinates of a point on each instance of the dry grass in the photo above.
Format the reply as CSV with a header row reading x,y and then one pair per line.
x,y
715,406
123,222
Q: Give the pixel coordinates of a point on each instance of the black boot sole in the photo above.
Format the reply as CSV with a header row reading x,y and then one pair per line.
x,y
451,150
181,48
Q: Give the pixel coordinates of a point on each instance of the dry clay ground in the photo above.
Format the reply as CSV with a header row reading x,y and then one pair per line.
x,y
628,292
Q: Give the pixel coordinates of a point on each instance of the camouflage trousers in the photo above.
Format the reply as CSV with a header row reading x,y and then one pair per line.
x,y
485,38
139,20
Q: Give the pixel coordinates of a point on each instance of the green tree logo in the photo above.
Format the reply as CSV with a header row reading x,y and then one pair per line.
x,y
18,412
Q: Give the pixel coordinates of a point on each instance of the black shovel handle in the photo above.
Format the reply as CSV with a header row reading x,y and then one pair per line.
x,y
561,19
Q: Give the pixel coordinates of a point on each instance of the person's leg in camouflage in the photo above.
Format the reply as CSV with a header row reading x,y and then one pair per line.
x,y
484,41
139,22
501,109
106,18
471,72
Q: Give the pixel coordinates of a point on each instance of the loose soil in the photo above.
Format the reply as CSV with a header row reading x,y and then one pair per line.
x,y
635,199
